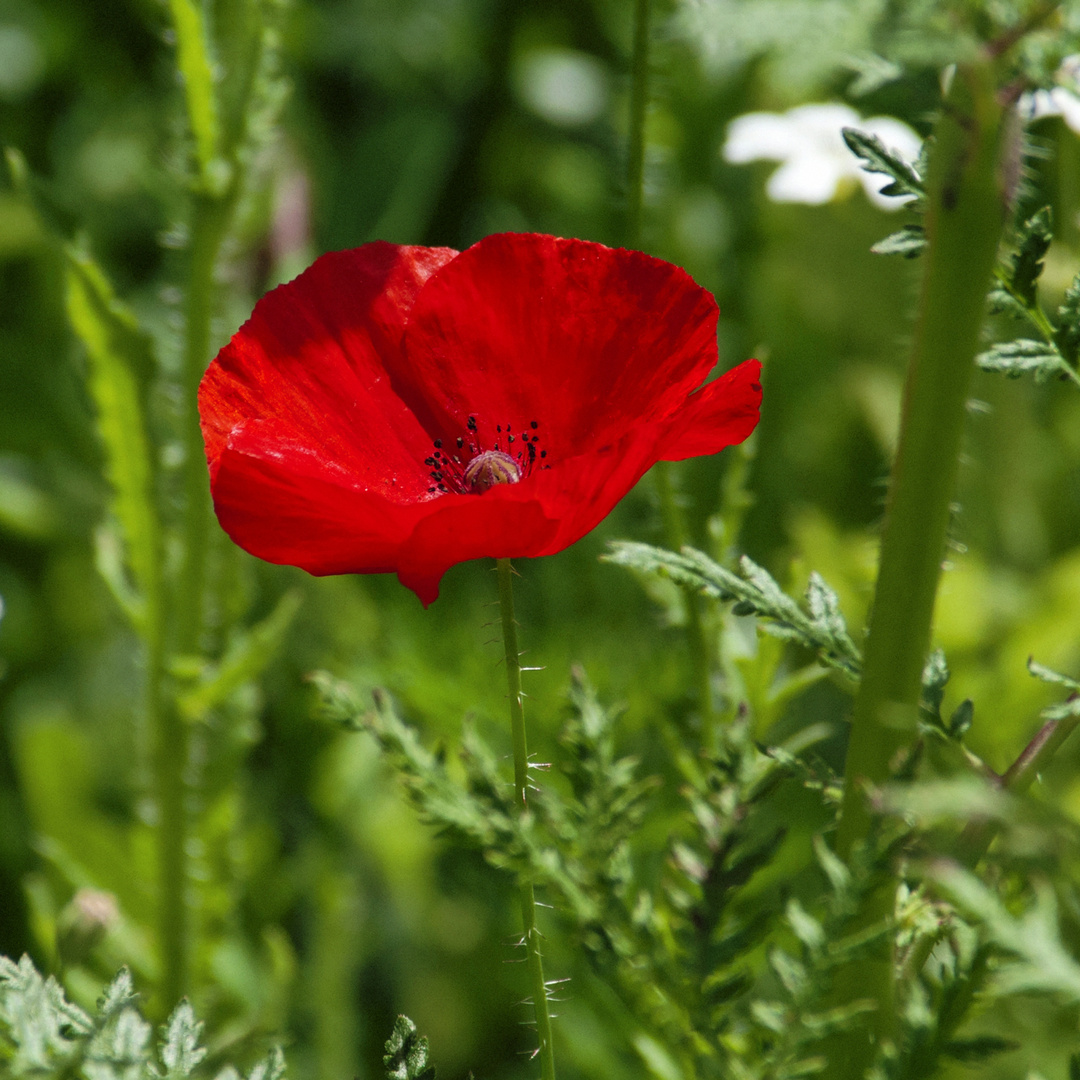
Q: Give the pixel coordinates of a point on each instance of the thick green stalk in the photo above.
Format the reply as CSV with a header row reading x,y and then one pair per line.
x,y
172,744
964,219
530,933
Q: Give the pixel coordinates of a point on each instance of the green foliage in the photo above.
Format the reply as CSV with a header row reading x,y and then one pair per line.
x,y
119,355
406,1055
821,628
43,1035
875,157
196,69
1026,264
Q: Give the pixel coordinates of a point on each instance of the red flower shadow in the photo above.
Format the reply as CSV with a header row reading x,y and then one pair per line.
x,y
407,408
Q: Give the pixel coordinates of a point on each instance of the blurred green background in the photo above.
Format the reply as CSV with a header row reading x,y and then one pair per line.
x,y
324,908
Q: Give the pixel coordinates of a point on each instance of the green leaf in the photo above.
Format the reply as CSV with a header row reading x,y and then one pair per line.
x,y
1067,335
754,592
935,676
876,158
181,1052
961,719
1022,357
406,1055
1027,262
246,657
1050,676
910,241
197,72
1040,961
119,358
979,1049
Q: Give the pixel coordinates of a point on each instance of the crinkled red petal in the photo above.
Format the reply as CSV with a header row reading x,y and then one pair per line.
x,y
463,527
720,414
313,358
280,501
585,339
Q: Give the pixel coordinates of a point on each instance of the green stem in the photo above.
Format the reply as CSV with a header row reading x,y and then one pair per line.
x,y
700,660
209,219
639,99
530,933
964,221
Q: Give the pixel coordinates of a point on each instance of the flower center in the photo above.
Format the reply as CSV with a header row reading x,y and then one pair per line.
x,y
467,468
491,467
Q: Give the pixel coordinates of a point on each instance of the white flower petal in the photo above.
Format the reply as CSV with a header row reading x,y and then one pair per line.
x,y
1068,107
760,136
810,178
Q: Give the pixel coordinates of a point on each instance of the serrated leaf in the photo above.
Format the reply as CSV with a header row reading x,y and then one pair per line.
x,y
245,658
876,158
119,355
406,1055
909,242
180,1052
119,994
1027,262
753,591
272,1067
1041,962
1067,334
1024,356
1048,675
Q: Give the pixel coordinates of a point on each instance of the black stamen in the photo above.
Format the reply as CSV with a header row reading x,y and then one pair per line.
x,y
442,487
429,461
438,444
509,438
460,442
533,424
498,428
536,438
472,423
543,453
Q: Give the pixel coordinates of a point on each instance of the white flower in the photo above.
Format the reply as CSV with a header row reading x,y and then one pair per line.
x,y
1063,100
816,162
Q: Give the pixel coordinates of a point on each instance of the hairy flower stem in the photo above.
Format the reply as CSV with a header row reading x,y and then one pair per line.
x,y
210,218
530,933
639,100
674,531
964,220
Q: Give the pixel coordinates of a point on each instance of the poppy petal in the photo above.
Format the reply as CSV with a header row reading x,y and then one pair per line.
x,y
470,527
585,339
279,500
722,413
313,357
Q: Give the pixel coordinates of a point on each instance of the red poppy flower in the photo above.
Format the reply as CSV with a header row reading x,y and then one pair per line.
x,y
407,408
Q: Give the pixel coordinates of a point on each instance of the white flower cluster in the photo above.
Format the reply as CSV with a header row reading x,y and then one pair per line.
x,y
815,162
